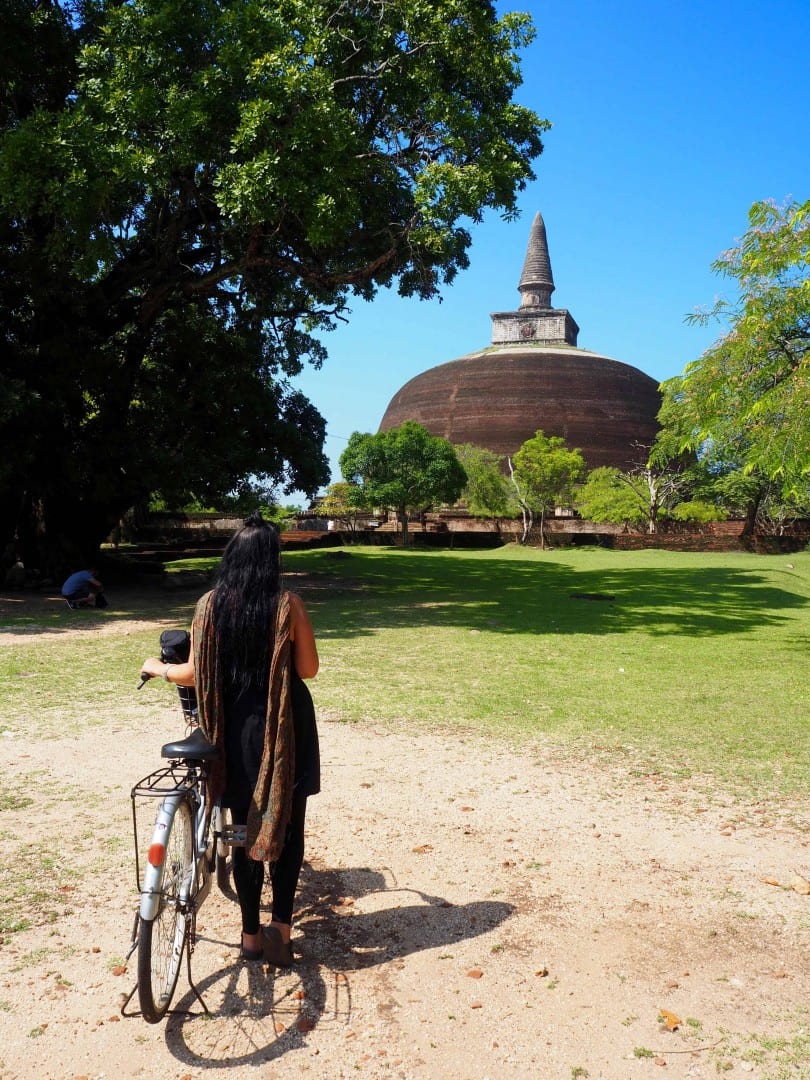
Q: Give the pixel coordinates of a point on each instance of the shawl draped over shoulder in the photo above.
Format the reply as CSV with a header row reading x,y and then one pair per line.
x,y
271,804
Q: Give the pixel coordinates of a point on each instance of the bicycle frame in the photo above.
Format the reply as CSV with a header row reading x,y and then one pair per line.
x,y
181,781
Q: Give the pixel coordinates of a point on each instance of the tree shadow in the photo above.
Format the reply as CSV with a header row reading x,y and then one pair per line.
x,y
368,591
507,596
29,613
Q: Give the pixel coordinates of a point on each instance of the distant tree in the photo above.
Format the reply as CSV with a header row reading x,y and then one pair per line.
x,y
658,490
249,495
284,517
744,405
344,503
727,489
487,492
775,512
544,472
406,469
609,495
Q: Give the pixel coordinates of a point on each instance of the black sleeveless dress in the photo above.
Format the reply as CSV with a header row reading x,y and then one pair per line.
x,y
245,722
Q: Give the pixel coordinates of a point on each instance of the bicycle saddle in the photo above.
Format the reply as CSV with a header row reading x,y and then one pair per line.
x,y
193,748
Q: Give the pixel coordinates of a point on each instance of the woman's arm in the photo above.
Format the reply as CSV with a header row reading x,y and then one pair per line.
x,y
304,649
179,674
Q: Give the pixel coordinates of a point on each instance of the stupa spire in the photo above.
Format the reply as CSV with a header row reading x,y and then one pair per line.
x,y
535,322
536,281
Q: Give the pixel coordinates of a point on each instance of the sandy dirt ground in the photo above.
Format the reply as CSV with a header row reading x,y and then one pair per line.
x,y
466,910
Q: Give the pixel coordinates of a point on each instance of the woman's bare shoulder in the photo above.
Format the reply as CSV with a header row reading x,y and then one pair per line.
x,y
295,601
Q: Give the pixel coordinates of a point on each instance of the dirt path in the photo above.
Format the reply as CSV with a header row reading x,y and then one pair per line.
x,y
466,911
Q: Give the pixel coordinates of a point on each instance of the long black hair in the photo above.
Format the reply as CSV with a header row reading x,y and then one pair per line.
x,y
245,602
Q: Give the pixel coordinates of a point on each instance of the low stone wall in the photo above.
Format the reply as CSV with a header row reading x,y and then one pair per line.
x,y
456,529
679,542
182,528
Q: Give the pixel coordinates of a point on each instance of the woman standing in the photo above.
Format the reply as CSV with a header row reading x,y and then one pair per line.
x,y
252,645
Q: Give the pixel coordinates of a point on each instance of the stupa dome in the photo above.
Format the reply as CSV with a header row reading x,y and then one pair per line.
x,y
534,377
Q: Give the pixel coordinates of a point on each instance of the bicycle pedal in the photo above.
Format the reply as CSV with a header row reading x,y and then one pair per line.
x,y
234,835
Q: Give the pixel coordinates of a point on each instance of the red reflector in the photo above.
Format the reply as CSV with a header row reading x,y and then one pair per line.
x,y
156,854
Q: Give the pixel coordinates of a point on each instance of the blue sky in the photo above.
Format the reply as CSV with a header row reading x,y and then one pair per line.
x,y
669,120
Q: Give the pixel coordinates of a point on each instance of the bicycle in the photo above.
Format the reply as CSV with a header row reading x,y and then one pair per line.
x,y
188,848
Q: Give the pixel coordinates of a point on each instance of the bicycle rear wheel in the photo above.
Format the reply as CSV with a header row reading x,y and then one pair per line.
x,y
161,940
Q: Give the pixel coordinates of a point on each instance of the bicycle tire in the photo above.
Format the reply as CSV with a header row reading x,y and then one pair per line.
x,y
162,940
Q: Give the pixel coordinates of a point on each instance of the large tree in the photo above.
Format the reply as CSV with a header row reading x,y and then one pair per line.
x,y
744,406
191,192
641,496
406,469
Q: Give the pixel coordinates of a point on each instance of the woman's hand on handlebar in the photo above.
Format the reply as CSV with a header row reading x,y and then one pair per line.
x,y
151,668
181,674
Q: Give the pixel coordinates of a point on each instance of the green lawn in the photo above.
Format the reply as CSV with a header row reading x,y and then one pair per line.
x,y
696,660
681,663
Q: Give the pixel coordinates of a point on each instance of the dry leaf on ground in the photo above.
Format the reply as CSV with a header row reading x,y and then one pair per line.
x,y
670,1021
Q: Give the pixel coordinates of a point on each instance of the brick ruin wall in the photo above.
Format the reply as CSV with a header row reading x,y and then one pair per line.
x,y
456,527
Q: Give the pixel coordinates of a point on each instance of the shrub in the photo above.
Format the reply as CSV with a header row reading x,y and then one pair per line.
x,y
697,510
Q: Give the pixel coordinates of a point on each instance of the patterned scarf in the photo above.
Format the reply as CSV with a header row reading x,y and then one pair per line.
x,y
271,804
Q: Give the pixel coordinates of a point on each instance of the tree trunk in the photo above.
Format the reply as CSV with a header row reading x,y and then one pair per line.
x,y
528,522
403,517
56,534
652,487
751,514
526,514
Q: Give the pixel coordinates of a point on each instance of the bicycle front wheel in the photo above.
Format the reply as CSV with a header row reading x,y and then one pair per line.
x,y
162,939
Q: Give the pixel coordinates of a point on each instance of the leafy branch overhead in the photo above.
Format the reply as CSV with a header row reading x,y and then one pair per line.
x,y
190,196
743,406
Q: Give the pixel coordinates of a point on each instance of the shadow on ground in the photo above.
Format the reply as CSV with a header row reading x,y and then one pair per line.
x,y
363,592
263,1014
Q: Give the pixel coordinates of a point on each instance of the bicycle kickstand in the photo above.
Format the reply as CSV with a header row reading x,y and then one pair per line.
x,y
132,947
191,941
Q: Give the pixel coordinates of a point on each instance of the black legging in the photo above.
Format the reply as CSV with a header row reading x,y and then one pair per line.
x,y
248,874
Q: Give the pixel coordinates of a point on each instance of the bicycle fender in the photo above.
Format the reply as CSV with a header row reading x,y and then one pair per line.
x,y
153,875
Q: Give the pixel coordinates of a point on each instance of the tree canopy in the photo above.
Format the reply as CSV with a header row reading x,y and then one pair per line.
x,y
487,492
544,472
405,469
191,193
608,495
744,406
344,503
643,495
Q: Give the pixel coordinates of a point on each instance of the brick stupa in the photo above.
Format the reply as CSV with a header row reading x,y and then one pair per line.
x,y
533,376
